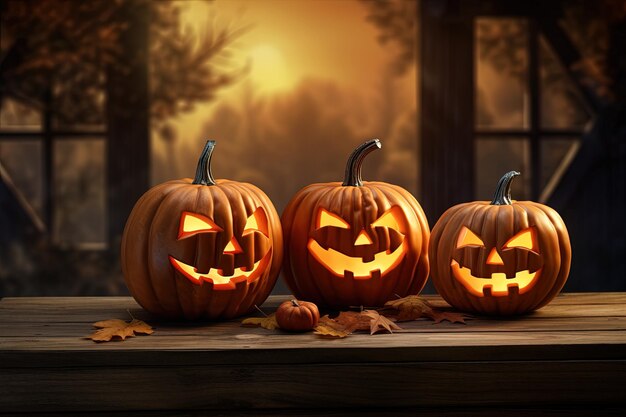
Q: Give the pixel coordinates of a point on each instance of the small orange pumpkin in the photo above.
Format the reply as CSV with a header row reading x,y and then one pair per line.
x,y
202,248
297,316
500,258
355,243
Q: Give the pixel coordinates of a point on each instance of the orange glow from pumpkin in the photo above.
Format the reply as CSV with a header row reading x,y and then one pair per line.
x,y
221,282
233,246
468,238
363,239
327,219
257,221
498,282
525,239
193,223
338,263
494,258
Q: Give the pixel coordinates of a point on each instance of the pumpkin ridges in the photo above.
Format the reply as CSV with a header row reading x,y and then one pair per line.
x,y
277,242
564,249
165,289
252,197
423,264
148,296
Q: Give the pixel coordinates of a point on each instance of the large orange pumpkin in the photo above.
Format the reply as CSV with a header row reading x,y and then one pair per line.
x,y
355,243
501,257
202,248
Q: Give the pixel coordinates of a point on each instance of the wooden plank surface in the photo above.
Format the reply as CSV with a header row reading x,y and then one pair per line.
x,y
571,352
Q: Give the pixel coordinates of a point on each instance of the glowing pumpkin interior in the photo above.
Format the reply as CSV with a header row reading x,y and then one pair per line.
x,y
342,264
497,284
192,224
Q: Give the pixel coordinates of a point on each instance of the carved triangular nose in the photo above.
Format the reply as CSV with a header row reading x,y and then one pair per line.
x,y
494,258
233,246
363,239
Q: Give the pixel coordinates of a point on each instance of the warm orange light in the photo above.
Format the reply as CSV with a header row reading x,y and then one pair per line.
x,y
497,282
468,238
338,263
220,281
390,219
193,223
363,239
233,246
327,219
525,239
494,258
257,221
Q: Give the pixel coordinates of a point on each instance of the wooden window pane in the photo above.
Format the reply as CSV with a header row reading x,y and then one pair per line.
x,y
556,156
561,105
501,60
16,116
79,194
497,156
23,161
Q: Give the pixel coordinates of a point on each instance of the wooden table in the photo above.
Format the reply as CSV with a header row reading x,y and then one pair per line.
x,y
566,359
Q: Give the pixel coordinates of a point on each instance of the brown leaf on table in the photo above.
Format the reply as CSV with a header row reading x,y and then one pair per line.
x,y
353,321
451,316
411,307
378,322
348,322
268,322
328,327
115,328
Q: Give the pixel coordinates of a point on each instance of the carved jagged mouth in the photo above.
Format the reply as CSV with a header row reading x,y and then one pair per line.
x,y
220,281
498,283
343,265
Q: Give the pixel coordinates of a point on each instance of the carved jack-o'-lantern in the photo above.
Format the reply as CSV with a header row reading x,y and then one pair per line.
x,y
356,243
503,257
202,249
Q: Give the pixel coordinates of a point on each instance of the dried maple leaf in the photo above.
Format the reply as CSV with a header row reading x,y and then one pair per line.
x,y
378,322
353,321
451,316
348,322
411,307
115,328
328,327
267,322
414,307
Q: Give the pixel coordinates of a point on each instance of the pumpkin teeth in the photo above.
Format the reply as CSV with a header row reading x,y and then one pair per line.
x,y
339,263
498,285
216,276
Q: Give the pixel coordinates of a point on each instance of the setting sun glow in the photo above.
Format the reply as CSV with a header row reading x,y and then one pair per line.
x,y
269,69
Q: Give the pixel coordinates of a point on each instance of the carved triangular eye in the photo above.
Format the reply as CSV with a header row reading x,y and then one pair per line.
x,y
468,238
193,223
389,219
327,219
257,221
524,239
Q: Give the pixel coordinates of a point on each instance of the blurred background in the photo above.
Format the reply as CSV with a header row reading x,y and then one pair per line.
x,y
101,99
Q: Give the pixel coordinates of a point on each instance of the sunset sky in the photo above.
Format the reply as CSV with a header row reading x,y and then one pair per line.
x,y
293,40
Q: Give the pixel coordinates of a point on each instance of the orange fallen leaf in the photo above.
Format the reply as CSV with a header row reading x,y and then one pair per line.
x,y
116,328
451,316
411,307
348,322
267,322
327,327
414,307
378,322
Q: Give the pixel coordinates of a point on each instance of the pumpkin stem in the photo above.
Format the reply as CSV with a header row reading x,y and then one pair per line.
x,y
203,171
295,303
502,196
352,176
